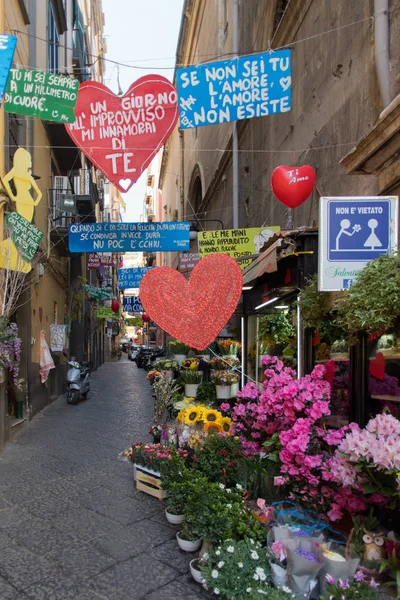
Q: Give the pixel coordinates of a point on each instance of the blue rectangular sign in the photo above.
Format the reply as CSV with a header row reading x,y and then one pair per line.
x,y
7,49
132,304
231,90
129,237
352,232
131,278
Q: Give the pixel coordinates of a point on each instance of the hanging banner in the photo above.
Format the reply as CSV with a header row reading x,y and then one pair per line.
x,y
235,242
97,293
25,236
7,49
129,237
121,134
93,261
235,89
352,232
132,304
131,278
188,261
42,95
105,312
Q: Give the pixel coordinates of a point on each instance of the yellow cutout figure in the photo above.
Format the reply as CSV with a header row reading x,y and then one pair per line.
x,y
21,174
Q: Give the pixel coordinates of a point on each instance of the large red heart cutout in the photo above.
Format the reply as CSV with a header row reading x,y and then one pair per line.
x,y
293,185
377,366
120,135
193,311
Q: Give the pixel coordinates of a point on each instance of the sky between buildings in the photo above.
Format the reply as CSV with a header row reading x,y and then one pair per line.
x,y
141,33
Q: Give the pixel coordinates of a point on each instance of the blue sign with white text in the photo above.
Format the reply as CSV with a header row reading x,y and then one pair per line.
x,y
132,304
129,237
231,90
358,230
131,278
7,49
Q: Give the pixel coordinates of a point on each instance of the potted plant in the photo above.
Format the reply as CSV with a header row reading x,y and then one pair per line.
x,y
191,376
206,393
276,329
179,350
229,348
168,366
223,383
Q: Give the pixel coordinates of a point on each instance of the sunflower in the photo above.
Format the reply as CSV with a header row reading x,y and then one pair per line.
x,y
226,424
211,416
192,415
213,427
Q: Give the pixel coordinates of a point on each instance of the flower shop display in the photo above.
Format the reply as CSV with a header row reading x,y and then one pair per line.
x,y
229,348
153,375
224,380
168,366
179,351
200,420
191,376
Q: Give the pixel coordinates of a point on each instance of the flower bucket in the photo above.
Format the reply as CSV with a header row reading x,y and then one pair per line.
x,y
179,358
187,545
169,375
195,572
191,389
234,390
173,519
223,392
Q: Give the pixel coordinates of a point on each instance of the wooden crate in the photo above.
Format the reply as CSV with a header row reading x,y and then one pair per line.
x,y
149,484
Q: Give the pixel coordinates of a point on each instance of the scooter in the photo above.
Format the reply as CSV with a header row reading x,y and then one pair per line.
x,y
78,381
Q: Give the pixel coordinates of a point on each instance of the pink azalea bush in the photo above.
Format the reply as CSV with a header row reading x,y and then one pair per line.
x,y
287,417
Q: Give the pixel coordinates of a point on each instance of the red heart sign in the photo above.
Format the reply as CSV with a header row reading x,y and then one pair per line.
x,y
120,135
193,311
292,185
377,366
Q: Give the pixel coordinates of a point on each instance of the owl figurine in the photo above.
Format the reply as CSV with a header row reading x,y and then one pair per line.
x,y
374,548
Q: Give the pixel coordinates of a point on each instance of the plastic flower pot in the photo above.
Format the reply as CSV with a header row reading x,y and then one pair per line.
x,y
187,545
196,573
191,389
179,358
223,392
173,519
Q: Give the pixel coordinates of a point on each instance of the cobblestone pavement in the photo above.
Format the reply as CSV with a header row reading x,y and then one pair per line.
x,y
72,525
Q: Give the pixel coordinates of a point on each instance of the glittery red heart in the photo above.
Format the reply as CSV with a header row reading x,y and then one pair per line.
x,y
377,366
193,311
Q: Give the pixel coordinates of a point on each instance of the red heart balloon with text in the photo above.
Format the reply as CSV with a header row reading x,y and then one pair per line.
x,y
121,135
293,185
377,366
193,311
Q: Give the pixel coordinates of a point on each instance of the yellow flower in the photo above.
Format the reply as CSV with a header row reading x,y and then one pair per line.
x,y
192,415
188,400
226,424
181,415
214,427
211,415
195,440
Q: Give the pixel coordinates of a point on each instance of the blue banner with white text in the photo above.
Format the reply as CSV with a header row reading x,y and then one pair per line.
x,y
131,278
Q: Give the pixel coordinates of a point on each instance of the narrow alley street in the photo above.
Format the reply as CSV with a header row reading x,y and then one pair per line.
x,y
72,526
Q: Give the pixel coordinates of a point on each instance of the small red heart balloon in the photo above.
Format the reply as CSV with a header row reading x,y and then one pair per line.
x,y
377,366
193,311
293,185
115,306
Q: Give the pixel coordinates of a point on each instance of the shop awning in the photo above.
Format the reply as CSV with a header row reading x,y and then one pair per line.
x,y
267,262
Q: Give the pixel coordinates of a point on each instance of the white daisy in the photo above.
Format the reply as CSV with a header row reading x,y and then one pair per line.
x,y
251,541
248,590
220,564
218,552
255,576
221,485
231,550
216,591
254,555
239,487
229,506
214,574
240,565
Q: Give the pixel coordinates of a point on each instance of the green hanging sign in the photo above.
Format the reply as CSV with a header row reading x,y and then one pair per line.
x,y
97,293
46,96
25,236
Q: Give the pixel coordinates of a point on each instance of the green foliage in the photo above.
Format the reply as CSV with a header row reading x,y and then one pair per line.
x,y
206,393
134,322
189,376
276,328
314,305
372,304
178,347
354,590
216,459
240,570
256,475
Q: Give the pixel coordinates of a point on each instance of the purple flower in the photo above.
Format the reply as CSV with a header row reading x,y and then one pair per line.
x,y
373,584
306,554
359,576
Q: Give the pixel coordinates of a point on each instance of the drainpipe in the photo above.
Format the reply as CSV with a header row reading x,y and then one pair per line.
x,y
382,62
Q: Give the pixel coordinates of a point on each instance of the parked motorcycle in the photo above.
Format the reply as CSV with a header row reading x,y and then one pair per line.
x,y
78,381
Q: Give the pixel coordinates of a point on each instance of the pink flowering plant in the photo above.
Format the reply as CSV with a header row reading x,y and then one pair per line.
x,y
287,418
368,460
351,589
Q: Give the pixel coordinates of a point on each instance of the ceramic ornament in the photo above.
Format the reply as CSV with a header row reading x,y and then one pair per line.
x,y
121,134
193,311
293,185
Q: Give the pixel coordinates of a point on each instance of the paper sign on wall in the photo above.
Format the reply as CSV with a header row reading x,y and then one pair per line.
x,y
43,95
352,232
235,242
131,278
7,49
25,236
129,237
121,134
236,89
